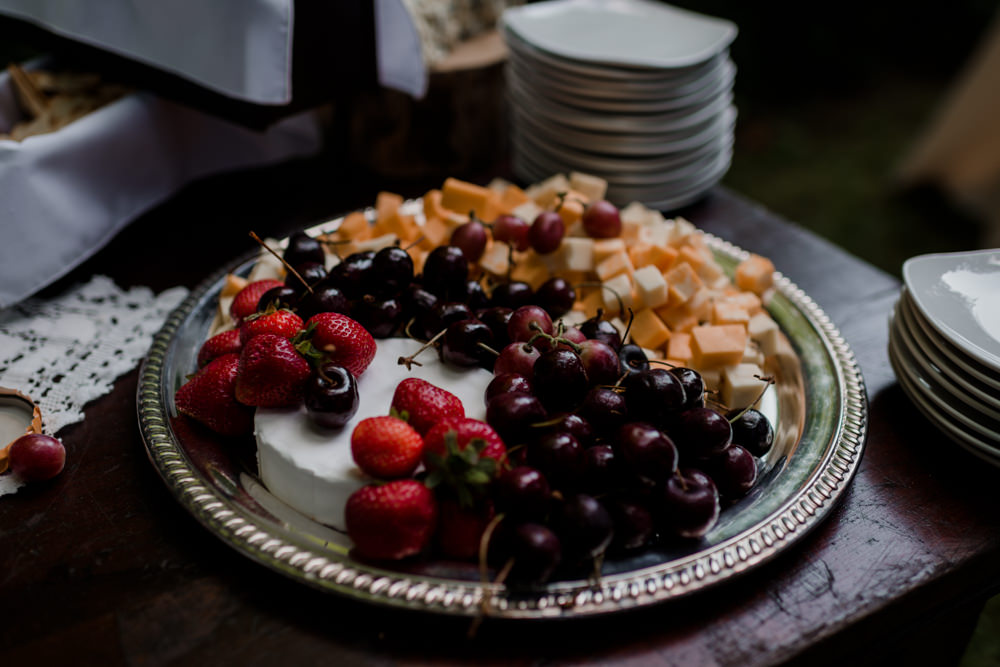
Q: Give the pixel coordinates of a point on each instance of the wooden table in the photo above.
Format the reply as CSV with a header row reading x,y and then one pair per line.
x,y
103,566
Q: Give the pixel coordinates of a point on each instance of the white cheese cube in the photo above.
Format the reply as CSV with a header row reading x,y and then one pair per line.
x,y
764,331
741,385
620,285
656,234
636,212
576,254
496,258
651,286
527,211
590,186
546,193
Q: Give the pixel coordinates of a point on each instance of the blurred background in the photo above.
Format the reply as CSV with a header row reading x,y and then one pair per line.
x,y
832,100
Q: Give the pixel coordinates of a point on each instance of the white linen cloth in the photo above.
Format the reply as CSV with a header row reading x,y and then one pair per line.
x,y
63,195
66,351
241,48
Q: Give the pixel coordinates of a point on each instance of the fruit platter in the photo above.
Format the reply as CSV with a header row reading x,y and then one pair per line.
x,y
496,401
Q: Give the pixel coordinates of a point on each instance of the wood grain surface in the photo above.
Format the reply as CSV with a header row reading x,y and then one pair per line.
x,y
103,566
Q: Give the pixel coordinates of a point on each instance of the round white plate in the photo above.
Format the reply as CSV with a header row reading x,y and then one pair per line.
x,y
965,386
662,98
673,121
967,441
941,383
621,153
711,88
957,412
624,86
959,294
955,356
632,33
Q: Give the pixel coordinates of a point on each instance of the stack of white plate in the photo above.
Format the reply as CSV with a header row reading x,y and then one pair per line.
x,y
944,345
635,91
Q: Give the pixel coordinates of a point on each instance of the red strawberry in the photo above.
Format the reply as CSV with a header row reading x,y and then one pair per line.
x,y
279,322
466,430
226,342
460,529
245,301
272,373
386,447
391,521
342,341
424,404
210,398
463,455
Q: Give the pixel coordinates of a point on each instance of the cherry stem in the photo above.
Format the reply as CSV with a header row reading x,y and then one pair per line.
x,y
415,243
628,327
487,348
555,340
282,260
484,546
411,360
618,297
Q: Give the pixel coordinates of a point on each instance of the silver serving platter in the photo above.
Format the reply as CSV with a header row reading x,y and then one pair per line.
x,y
819,407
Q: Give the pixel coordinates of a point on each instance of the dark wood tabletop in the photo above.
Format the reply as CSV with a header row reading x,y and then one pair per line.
x,y
103,566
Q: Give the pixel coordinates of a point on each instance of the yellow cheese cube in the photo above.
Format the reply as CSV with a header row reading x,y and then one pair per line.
x,y
679,348
613,265
648,330
650,286
716,345
755,274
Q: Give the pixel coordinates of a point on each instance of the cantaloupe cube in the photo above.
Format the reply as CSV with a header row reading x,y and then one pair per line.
x,y
648,330
755,274
650,286
701,303
433,207
618,290
680,230
603,248
689,255
590,186
647,254
464,197
724,312
376,243
355,226
710,271
679,348
591,302
403,226
716,345
419,256
386,204
613,265
678,318
532,271
683,281
511,198
571,209
436,232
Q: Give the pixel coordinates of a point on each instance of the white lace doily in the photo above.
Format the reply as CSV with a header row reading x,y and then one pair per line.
x,y
66,351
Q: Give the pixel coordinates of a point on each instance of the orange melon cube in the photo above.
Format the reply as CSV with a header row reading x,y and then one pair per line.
x,y
648,330
604,248
690,255
677,318
387,204
647,254
716,345
511,198
591,303
355,226
725,312
755,274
